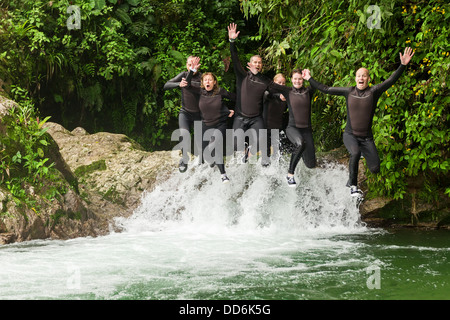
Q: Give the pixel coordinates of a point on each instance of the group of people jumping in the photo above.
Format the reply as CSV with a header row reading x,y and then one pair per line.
x,y
260,103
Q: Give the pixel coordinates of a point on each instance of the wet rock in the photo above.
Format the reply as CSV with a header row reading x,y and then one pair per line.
x,y
112,170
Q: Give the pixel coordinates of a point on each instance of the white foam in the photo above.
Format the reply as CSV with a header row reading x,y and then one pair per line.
x,y
256,198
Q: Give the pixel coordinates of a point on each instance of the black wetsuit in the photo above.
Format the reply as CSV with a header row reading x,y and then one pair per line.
x,y
189,112
214,115
358,136
274,109
273,115
299,130
250,90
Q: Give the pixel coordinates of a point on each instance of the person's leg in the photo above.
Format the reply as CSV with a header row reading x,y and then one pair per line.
x,y
218,146
269,143
256,127
309,153
285,144
370,153
274,143
184,127
298,141
239,127
195,125
205,142
214,151
352,145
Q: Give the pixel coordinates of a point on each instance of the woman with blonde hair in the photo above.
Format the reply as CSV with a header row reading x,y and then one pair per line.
x,y
275,106
189,112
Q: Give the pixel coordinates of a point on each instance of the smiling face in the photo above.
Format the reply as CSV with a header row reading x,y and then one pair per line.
x,y
362,78
256,62
297,80
209,82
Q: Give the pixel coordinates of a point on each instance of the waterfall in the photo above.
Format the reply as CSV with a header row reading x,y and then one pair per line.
x,y
256,198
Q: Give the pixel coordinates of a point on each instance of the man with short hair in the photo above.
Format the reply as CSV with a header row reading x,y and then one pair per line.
x,y
250,89
361,102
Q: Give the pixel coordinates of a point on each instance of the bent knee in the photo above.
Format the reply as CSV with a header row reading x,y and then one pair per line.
x,y
310,165
299,143
375,169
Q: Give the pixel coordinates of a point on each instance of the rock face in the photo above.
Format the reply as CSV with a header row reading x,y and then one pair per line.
x,y
111,169
105,175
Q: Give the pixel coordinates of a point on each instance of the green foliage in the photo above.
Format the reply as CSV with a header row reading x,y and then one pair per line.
x,y
334,38
109,74
23,146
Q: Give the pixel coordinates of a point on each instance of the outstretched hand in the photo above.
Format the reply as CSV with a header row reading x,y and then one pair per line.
x,y
195,63
407,55
306,74
232,34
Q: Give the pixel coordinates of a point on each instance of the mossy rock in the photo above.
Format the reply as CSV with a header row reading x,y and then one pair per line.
x,y
99,165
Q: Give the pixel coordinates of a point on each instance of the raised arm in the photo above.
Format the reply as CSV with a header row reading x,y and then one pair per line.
x,y
232,35
335,91
404,60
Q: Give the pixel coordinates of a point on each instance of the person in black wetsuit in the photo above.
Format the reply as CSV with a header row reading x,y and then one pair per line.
x,y
250,88
275,106
214,114
299,130
361,102
189,112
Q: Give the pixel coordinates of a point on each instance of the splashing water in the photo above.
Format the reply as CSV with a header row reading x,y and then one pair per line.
x,y
256,198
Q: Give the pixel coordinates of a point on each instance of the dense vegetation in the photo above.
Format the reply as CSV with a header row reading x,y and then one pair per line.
x,y
107,73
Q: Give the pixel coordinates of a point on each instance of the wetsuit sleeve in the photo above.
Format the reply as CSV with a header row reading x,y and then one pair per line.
x,y
335,91
189,86
174,82
269,95
275,88
380,88
189,77
238,69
